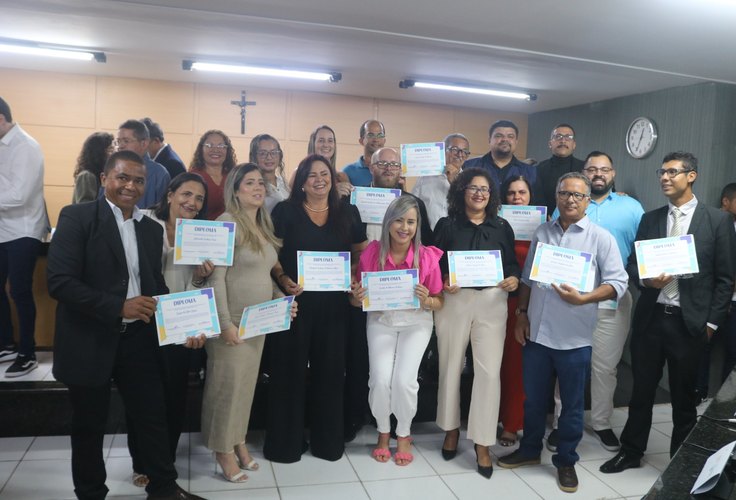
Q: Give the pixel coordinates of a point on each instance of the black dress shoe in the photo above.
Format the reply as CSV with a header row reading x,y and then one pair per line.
x,y
620,463
484,470
179,494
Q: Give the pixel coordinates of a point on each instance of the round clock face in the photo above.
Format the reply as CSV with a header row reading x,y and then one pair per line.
x,y
641,137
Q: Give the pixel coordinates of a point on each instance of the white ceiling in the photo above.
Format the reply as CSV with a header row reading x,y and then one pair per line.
x,y
567,52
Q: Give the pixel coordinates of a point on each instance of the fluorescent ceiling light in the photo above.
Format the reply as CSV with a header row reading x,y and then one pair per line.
x,y
261,71
50,51
405,84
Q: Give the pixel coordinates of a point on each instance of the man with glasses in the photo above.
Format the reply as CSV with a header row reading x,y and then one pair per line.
x,y
432,189
675,316
620,215
503,137
372,138
562,144
555,325
133,136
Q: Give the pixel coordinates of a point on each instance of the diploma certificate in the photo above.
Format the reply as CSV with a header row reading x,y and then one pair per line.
x,y
477,268
323,271
373,202
267,317
198,240
675,256
427,158
562,265
524,219
186,314
390,290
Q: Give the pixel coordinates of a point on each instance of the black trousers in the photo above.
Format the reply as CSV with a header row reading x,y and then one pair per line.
x,y
317,340
356,369
665,339
138,378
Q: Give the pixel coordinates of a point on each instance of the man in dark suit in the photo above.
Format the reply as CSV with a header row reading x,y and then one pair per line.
x,y
676,316
104,267
161,152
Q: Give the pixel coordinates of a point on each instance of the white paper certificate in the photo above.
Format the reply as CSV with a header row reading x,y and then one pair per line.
x,y
674,256
477,268
390,290
373,202
267,317
524,219
186,314
427,158
323,271
198,240
562,265
712,470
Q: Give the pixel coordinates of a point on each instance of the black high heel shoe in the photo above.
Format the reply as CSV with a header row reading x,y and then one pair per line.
x,y
484,470
450,454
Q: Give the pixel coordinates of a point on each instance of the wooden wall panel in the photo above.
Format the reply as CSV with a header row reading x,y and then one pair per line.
x,y
343,113
60,156
57,197
411,122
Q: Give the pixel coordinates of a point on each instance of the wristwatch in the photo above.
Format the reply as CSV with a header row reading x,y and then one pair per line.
x,y
520,311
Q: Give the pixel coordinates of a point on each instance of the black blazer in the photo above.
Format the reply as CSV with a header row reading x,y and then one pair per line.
x,y
171,161
88,275
706,296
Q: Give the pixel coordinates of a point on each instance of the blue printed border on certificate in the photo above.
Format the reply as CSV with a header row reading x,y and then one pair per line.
x,y
692,255
520,235
343,287
360,189
426,171
478,282
263,331
209,292
180,223
395,306
582,284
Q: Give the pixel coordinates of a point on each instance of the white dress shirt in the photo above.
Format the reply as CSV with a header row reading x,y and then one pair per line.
x,y
432,190
130,246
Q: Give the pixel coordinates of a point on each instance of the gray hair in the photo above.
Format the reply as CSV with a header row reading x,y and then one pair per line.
x,y
456,135
575,175
395,210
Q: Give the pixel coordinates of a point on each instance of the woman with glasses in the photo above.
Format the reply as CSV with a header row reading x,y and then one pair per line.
x,y
477,316
516,190
313,218
96,149
213,158
266,152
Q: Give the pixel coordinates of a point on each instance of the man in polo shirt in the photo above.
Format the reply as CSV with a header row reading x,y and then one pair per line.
x,y
372,138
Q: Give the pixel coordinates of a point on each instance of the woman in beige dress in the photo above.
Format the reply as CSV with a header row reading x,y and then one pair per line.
x,y
232,363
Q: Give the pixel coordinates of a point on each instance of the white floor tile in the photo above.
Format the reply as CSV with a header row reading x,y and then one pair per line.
x,y
662,413
543,480
196,445
503,485
13,448
369,469
341,491
253,494
311,471
58,447
463,462
6,469
619,417
659,460
664,427
202,476
410,489
40,480
658,442
119,445
631,482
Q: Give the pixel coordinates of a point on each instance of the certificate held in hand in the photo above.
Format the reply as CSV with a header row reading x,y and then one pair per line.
x,y
674,256
373,202
323,271
267,317
390,290
427,158
524,219
186,314
476,268
198,240
558,265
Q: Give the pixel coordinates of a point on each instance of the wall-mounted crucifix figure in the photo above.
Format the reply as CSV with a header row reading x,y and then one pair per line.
x,y
242,103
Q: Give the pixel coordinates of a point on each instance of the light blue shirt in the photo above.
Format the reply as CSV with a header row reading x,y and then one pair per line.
x,y
553,322
620,215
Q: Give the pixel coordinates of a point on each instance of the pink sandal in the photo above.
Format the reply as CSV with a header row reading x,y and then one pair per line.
x,y
405,456
382,455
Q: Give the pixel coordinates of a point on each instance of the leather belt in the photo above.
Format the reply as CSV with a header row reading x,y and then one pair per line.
x,y
668,309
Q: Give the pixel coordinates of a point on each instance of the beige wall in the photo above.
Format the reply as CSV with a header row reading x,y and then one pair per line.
x,y
61,110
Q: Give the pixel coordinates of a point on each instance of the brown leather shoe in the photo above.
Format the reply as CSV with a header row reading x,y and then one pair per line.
x,y
179,494
567,479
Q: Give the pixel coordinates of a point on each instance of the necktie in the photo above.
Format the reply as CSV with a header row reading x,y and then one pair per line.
x,y
672,289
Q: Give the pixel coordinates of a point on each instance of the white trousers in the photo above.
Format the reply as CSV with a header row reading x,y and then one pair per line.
x,y
609,339
394,354
478,317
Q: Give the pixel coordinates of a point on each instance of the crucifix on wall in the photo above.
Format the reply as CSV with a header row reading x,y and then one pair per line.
x,y
243,103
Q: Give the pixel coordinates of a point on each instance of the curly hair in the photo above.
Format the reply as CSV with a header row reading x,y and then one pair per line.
x,y
94,154
456,194
198,159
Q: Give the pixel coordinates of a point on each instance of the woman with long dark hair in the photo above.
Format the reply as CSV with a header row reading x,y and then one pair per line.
x,y
96,149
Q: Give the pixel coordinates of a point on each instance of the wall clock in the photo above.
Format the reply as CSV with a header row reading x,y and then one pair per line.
x,y
641,137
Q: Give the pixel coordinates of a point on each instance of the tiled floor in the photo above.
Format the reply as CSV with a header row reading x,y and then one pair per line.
x,y
38,468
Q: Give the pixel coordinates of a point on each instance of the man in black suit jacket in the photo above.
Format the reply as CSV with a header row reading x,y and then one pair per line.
x,y
104,267
161,152
675,318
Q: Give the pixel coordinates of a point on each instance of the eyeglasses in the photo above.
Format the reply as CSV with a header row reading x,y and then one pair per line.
x,y
595,170
371,135
388,165
482,190
565,195
124,141
672,172
274,153
458,152
209,145
563,137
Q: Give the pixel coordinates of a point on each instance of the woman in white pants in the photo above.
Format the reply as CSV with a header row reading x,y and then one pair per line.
x,y
397,339
473,315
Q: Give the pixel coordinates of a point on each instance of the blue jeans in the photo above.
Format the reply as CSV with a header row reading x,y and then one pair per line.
x,y
17,263
572,366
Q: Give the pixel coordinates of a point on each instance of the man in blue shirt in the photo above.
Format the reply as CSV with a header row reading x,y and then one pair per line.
x,y
500,161
557,329
372,138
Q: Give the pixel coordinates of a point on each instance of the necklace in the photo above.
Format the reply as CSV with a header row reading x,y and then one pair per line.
x,y
306,205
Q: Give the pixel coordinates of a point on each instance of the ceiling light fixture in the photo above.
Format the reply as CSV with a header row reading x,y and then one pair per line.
x,y
405,84
44,50
260,71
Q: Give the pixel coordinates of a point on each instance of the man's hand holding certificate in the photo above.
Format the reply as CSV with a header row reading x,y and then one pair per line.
x,y
186,314
197,241
673,256
426,158
558,265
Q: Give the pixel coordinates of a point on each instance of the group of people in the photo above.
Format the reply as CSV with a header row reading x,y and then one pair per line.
x,y
112,252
